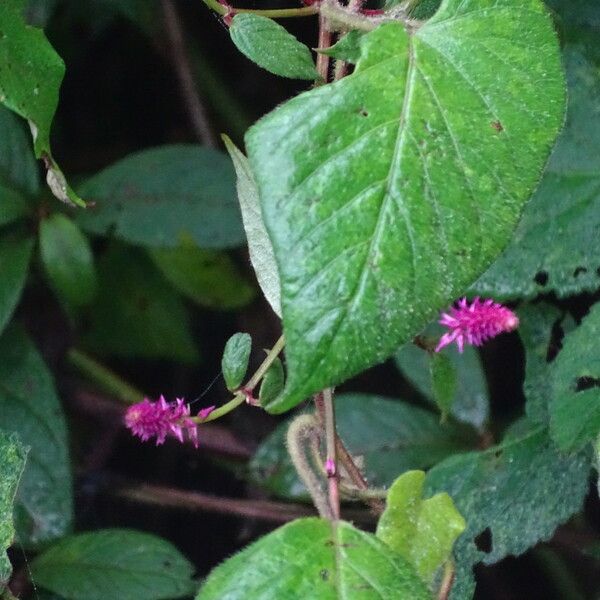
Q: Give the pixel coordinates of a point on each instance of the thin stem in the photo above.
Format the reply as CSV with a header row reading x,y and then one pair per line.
x,y
106,379
331,462
181,61
219,8
277,13
447,581
353,493
323,59
238,399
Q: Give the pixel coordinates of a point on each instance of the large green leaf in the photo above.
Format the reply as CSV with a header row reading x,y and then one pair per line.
x,y
136,313
423,531
512,496
114,563
272,47
312,558
14,263
389,436
68,260
556,246
387,193
575,386
12,462
30,407
30,76
161,196
259,244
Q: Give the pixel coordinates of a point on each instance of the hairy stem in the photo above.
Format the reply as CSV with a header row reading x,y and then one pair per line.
x,y
447,581
333,476
323,59
276,13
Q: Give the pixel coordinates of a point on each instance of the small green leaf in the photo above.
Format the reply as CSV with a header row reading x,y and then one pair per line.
x,y
423,531
208,277
271,47
388,192
29,406
443,383
30,76
136,313
471,403
160,196
313,558
272,383
235,359
15,255
575,385
347,48
388,436
512,496
259,244
12,463
68,260
114,563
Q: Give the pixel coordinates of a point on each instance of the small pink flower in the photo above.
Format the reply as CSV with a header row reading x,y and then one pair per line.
x,y
330,468
476,323
148,420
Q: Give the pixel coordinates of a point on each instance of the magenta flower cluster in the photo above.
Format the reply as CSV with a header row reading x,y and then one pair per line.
x,y
476,323
148,420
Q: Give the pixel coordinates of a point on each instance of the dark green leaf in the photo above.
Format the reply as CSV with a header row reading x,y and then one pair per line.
x,y
388,192
68,260
512,496
272,383
14,264
208,277
30,407
271,47
12,463
423,531
18,167
136,313
30,76
114,563
443,382
13,205
388,436
161,196
313,558
259,244
575,386
557,243
471,401
235,359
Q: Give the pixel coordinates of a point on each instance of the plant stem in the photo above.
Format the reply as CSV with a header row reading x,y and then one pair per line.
x,y
323,59
447,581
106,379
333,476
277,13
181,61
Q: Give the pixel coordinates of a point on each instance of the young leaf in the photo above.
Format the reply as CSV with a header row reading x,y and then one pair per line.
x,y
512,496
271,47
30,407
388,436
556,245
313,558
12,463
259,244
14,264
347,48
443,383
470,403
208,277
114,563
575,385
68,260
160,196
423,531
30,76
235,359
387,192
136,313
272,383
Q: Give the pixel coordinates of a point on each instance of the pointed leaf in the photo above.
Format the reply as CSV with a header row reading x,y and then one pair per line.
x,y
388,192
12,463
272,383
114,563
259,244
312,558
423,531
271,47
575,385
235,359
30,76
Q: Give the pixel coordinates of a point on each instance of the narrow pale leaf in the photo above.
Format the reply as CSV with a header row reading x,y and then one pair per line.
x,y
386,193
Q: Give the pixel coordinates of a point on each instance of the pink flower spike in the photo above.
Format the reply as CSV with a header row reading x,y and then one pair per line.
x,y
204,412
475,323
